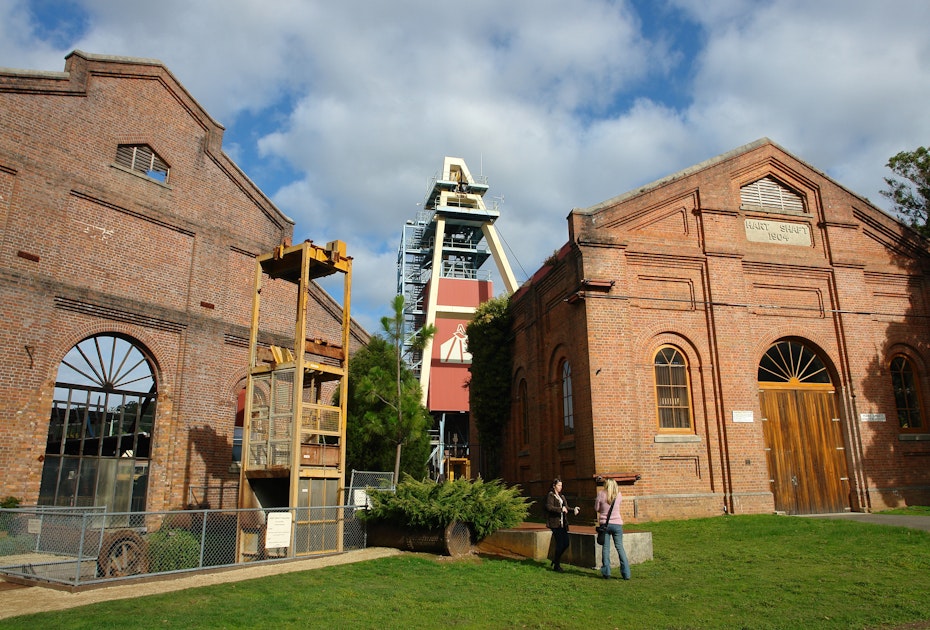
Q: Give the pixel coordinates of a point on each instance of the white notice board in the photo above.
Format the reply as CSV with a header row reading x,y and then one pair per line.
x,y
278,532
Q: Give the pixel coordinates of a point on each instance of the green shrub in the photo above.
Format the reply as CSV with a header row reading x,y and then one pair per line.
x,y
485,506
173,550
10,545
9,502
8,518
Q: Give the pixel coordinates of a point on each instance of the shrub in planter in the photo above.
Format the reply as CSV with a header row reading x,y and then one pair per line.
x,y
173,550
485,506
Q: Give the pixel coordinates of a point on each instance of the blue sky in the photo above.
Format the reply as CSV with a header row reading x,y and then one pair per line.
x,y
342,111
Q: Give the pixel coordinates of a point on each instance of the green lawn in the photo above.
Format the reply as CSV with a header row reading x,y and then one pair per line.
x,y
724,572
912,510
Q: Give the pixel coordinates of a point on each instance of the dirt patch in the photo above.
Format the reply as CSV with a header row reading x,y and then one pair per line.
x,y
17,599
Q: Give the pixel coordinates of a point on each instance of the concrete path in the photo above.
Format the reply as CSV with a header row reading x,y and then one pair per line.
x,y
893,520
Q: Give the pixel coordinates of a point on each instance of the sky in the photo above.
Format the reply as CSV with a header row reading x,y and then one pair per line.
x,y
342,112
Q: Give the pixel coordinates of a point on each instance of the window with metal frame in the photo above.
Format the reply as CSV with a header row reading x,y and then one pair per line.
x,y
142,159
770,195
673,396
568,411
101,426
906,396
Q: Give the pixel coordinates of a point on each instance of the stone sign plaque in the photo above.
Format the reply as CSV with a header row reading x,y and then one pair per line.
x,y
779,232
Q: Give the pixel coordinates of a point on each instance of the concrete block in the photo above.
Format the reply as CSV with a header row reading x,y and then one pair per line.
x,y
583,550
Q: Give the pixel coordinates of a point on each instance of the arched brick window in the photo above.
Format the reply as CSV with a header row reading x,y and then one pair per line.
x,y
100,430
568,411
524,411
673,395
906,396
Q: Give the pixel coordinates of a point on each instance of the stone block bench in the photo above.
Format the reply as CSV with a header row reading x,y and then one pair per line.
x,y
534,540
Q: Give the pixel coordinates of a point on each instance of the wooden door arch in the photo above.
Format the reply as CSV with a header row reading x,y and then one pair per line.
x,y
804,446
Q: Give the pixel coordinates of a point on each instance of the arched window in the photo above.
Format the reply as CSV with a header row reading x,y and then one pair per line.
x,y
100,430
793,363
673,398
906,398
568,412
524,411
238,426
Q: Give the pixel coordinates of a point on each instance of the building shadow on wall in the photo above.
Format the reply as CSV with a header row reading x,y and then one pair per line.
x,y
213,481
891,405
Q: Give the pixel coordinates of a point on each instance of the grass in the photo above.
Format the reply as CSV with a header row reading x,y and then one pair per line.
x,y
911,510
725,572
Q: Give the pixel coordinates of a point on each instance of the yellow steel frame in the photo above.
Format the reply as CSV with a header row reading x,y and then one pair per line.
x,y
312,361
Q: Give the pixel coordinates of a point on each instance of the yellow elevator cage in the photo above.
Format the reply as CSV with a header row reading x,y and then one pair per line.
x,y
293,443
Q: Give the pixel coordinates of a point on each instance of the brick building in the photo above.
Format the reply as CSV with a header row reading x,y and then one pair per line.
x,y
128,254
745,335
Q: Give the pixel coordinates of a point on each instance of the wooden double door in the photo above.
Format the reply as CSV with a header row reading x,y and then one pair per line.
x,y
805,449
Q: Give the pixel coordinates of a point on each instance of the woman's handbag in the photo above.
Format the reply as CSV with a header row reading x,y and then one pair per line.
x,y
602,529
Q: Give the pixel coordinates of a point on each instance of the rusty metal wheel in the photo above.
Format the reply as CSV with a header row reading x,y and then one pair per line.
x,y
122,553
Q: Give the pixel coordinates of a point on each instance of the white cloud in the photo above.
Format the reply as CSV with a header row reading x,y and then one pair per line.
x,y
21,44
563,104
841,84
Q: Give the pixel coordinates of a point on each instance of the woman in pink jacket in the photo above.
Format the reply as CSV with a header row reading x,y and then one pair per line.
x,y
610,496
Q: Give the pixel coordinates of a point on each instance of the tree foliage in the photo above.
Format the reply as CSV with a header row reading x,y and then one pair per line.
x,y
373,430
490,343
393,329
911,195
485,506
384,409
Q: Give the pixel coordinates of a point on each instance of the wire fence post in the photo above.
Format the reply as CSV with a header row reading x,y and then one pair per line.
x,y
203,536
80,554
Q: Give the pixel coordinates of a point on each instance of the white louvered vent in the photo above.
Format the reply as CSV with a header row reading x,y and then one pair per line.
x,y
768,194
141,158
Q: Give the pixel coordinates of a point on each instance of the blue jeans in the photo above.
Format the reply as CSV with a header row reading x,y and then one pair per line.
x,y
616,532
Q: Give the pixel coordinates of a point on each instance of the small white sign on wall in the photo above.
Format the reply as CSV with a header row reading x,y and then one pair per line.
x,y
278,532
871,417
742,416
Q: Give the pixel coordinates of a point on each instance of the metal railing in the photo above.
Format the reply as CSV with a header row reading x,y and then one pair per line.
x,y
75,547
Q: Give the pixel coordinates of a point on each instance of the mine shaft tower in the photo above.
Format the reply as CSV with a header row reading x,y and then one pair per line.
x,y
440,275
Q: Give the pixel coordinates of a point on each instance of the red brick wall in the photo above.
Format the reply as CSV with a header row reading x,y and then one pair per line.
x,y
685,274
89,247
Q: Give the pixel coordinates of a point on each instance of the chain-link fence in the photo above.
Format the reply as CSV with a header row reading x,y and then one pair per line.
x,y
361,481
75,546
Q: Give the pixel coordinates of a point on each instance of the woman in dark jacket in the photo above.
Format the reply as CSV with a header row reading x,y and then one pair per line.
x,y
557,520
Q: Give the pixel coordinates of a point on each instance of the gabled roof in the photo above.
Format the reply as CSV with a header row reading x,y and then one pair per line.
x,y
707,164
80,65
